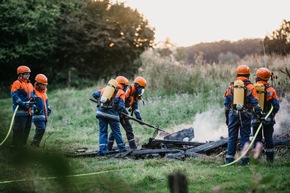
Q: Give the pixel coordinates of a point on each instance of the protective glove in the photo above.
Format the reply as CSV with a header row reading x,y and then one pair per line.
x,y
227,116
24,105
49,111
261,116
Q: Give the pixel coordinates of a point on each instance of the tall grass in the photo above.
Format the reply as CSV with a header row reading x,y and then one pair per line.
x,y
177,95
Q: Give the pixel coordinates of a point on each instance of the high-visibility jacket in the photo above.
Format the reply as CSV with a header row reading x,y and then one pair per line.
x,y
111,113
251,96
21,92
131,100
271,98
41,109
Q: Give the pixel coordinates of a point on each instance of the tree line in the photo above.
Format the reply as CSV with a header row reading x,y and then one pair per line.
x,y
74,40
83,38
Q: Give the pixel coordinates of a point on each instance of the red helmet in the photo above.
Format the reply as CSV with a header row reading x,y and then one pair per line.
x,y
122,80
263,73
23,69
41,78
141,81
244,70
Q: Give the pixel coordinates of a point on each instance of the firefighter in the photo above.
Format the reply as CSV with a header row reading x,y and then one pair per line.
x,y
267,97
110,104
41,109
240,100
133,94
22,94
123,84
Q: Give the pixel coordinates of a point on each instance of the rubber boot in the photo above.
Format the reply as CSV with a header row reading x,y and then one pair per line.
x,y
270,156
132,145
110,145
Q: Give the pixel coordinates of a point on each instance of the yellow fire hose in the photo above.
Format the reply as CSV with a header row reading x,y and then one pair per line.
x,y
246,151
11,124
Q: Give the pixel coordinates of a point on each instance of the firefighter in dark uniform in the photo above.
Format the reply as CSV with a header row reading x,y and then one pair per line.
x,y
267,98
240,100
110,104
22,94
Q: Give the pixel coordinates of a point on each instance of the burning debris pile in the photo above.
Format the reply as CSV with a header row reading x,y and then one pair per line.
x,y
178,145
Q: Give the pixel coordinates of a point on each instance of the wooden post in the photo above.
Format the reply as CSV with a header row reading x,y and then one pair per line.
x,y
177,183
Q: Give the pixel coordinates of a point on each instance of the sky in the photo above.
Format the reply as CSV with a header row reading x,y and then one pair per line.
x,y
189,22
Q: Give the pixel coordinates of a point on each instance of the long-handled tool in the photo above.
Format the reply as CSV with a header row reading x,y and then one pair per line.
x,y
143,123
156,127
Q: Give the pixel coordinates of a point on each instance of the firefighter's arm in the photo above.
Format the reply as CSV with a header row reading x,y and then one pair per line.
x,y
136,110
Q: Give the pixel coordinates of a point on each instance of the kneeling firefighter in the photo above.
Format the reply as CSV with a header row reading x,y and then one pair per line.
x,y
110,103
267,97
240,100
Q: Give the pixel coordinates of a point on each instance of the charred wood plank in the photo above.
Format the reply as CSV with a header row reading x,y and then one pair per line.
x,y
205,148
160,143
161,152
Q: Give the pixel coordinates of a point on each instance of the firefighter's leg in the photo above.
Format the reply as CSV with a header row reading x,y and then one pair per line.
x,y
269,144
115,126
18,128
111,141
258,143
245,132
129,133
233,128
27,129
103,136
39,131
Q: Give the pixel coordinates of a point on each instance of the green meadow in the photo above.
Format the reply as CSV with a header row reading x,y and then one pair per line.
x,y
178,96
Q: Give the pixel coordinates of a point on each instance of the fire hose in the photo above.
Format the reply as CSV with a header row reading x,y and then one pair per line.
x,y
255,136
10,128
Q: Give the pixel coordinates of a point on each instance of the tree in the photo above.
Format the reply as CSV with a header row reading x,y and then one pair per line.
x,y
279,41
92,38
103,39
28,34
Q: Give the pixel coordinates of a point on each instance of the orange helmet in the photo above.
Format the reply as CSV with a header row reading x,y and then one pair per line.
x,y
263,73
243,69
41,78
23,69
122,80
141,81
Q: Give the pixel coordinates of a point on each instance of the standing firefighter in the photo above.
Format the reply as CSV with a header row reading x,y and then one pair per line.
x,y
41,110
133,94
123,84
22,94
267,98
240,100
110,104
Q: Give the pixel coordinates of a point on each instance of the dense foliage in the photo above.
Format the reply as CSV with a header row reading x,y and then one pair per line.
x,y
279,41
91,39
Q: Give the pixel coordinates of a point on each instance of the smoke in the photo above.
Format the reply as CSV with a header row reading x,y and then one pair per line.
x,y
209,126
282,125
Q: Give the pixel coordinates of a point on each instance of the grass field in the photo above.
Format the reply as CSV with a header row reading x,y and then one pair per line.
x,y
73,125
